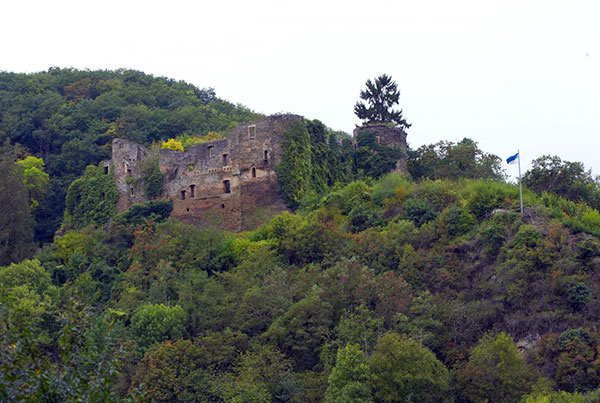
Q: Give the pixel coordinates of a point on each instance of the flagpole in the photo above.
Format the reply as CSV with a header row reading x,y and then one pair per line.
x,y
520,186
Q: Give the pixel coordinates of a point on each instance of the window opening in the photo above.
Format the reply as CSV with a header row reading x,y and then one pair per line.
x,y
222,206
225,160
183,195
253,172
226,186
210,151
106,170
192,191
252,132
266,155
131,191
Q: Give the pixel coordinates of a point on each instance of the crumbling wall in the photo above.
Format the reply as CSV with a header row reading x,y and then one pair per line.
x,y
391,137
228,183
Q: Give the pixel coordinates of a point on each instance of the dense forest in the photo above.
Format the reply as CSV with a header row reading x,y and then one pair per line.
x,y
378,287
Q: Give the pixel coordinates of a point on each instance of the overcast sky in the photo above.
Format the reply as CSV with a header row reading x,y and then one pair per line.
x,y
508,74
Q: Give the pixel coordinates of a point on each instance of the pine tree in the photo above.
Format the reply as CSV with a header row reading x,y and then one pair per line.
x,y
381,97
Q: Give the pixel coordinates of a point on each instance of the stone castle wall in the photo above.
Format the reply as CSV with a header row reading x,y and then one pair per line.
x,y
224,183
391,137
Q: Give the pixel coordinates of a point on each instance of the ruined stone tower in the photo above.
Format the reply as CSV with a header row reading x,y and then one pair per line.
x,y
391,137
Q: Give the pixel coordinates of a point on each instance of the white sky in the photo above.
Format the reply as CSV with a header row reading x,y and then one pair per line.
x,y
508,74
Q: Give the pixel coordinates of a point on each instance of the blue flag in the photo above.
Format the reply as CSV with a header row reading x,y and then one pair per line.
x,y
512,159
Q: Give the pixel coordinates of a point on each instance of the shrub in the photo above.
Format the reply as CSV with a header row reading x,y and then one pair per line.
x,y
153,178
578,294
419,211
456,220
157,210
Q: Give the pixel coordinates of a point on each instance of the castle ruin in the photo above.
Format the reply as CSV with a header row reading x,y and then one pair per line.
x,y
229,183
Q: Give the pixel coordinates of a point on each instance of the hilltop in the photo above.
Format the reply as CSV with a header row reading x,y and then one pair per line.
x,y
380,274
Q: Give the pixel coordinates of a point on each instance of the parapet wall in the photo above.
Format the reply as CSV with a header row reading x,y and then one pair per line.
x,y
225,183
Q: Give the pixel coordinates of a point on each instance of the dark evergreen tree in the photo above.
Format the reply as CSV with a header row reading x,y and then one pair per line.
x,y
381,96
16,233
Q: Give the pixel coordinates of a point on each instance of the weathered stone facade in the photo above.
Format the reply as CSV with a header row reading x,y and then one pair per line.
x,y
227,183
391,137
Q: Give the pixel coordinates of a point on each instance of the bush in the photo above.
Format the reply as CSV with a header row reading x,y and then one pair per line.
x,y
456,220
578,295
419,211
158,210
153,178
155,323
362,217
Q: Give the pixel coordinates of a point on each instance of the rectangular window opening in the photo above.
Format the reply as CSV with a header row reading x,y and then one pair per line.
x,y
192,191
252,132
183,195
210,151
226,186
225,160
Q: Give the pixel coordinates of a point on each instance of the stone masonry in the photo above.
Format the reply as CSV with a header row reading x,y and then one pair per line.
x,y
391,137
229,183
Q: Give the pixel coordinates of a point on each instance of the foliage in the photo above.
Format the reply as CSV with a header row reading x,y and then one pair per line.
x,y
16,233
172,144
419,211
448,160
68,118
35,179
295,169
456,220
156,323
381,96
153,178
173,372
350,379
495,371
373,159
564,178
155,210
91,199
403,370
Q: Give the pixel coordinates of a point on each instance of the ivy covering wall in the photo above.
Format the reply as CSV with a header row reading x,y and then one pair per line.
x,y
91,199
310,163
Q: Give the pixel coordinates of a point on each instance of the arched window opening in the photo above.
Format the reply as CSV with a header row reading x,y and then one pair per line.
x,y
226,186
210,151
253,172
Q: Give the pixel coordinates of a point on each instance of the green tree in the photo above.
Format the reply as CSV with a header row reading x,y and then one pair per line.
x,y
155,323
16,234
405,371
36,180
564,178
173,372
381,96
350,379
495,372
